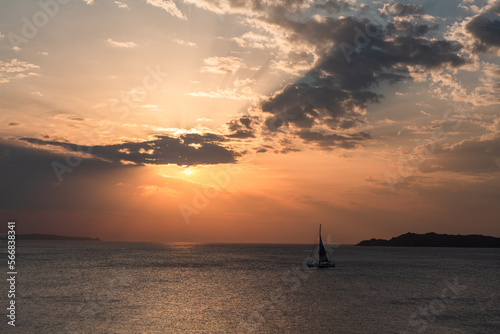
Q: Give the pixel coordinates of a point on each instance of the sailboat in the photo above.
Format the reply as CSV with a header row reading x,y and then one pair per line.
x,y
322,261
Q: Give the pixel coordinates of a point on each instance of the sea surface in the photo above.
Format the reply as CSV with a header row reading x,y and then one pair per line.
x,y
100,287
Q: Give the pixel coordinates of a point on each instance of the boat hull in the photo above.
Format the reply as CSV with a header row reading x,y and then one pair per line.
x,y
321,265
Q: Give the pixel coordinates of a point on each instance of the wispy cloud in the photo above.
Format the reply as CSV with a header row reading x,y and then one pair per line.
x,y
116,44
230,94
256,41
242,91
244,82
121,5
222,65
293,67
89,2
181,42
152,107
169,6
16,69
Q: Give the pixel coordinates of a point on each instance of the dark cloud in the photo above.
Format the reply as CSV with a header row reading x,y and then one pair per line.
x,y
189,149
302,104
13,124
347,141
28,179
363,56
333,6
242,128
246,121
470,157
407,28
311,31
401,9
257,5
37,178
381,57
196,138
279,5
344,124
38,174
242,134
355,56
486,30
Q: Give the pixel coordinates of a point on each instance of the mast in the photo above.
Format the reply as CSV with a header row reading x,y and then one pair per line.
x,y
322,252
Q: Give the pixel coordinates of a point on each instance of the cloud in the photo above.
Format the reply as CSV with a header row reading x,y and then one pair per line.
x,y
89,2
29,180
403,27
245,121
244,82
188,149
255,6
486,30
333,6
343,81
242,134
347,141
126,45
222,65
479,33
302,104
152,107
16,69
256,41
121,5
424,113
341,60
181,42
230,94
296,63
473,156
242,128
400,9
169,6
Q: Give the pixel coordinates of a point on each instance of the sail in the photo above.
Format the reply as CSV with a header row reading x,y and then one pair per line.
x,y
322,251
323,261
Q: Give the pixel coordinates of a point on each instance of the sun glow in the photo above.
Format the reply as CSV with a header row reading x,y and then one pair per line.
x,y
188,171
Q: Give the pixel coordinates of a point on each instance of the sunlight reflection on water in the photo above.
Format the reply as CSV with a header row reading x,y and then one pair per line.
x,y
197,288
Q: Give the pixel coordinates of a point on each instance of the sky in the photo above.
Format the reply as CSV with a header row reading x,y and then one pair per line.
x,y
250,121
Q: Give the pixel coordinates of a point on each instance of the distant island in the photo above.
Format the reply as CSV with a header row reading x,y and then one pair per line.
x,y
435,240
53,237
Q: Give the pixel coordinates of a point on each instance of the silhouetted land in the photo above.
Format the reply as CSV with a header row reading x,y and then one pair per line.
x,y
435,240
53,237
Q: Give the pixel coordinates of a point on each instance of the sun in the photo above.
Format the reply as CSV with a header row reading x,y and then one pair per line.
x,y
188,171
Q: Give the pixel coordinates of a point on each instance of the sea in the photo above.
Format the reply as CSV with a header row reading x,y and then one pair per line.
x,y
104,287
